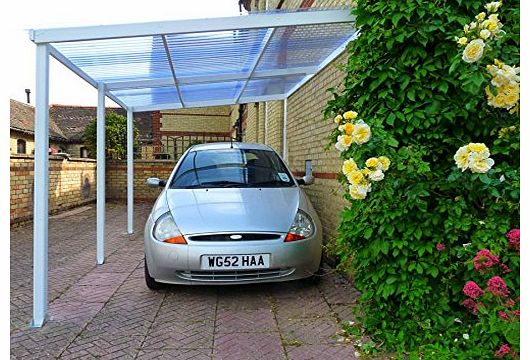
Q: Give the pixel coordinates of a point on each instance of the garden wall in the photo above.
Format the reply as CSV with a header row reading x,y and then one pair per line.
x,y
72,183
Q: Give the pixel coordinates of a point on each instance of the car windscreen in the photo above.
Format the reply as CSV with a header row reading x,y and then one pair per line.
x,y
231,168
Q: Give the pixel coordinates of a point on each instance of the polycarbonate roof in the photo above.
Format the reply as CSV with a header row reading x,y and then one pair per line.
x,y
195,63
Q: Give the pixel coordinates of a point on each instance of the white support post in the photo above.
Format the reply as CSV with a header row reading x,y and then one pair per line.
x,y
101,175
130,171
40,194
285,151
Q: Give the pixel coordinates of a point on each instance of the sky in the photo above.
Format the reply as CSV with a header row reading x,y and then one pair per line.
x,y
66,87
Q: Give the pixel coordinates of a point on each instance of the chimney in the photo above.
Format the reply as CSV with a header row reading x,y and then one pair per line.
x,y
28,91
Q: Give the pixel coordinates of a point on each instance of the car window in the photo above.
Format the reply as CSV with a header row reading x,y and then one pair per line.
x,y
231,168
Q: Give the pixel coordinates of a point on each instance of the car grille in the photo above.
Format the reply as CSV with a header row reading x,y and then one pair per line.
x,y
226,237
237,275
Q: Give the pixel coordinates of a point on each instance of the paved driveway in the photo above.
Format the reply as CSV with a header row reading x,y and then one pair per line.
x,y
107,311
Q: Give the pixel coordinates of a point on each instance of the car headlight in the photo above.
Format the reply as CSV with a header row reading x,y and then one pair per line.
x,y
166,230
302,227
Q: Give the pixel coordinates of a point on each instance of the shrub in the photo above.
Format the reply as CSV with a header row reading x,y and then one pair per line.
x,y
407,243
115,136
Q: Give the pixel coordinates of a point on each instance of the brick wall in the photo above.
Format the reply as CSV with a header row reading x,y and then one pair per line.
x,y
72,183
274,136
210,119
116,178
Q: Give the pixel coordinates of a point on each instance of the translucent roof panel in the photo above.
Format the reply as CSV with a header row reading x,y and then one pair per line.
x,y
215,52
272,86
111,60
203,62
158,95
225,91
303,45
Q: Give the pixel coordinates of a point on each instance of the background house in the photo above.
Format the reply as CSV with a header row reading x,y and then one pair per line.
x,y
67,125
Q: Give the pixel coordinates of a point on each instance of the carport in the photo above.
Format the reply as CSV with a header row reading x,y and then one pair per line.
x,y
173,65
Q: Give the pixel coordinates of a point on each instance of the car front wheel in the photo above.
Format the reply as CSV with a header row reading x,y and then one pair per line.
x,y
149,281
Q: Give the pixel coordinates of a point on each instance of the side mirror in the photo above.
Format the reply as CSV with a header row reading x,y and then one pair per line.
x,y
155,182
306,180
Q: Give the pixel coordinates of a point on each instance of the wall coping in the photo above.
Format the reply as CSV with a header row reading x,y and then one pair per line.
x,y
53,158
142,161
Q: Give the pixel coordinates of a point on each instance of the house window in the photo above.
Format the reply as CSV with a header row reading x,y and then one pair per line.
x,y
21,146
83,152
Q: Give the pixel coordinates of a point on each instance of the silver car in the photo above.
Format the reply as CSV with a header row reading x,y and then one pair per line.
x,y
231,213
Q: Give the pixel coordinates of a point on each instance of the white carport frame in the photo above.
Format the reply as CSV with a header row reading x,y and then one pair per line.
x,y
45,40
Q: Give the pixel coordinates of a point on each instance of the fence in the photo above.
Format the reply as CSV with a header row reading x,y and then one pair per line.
x,y
172,147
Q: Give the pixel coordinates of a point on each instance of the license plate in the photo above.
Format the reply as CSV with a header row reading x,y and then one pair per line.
x,y
226,262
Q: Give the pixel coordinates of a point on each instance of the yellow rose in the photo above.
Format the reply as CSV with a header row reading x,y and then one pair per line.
x,y
350,115
361,132
481,166
366,171
466,29
485,34
359,192
462,41
338,119
385,162
346,140
372,162
473,51
481,16
462,158
376,175
348,166
493,6
347,128
355,177
477,147
355,194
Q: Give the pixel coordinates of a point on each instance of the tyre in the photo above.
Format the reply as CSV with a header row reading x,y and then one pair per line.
x,y
317,276
149,281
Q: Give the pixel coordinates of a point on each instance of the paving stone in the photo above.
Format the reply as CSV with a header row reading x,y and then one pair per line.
x,y
175,354
248,346
229,320
344,312
302,307
309,331
319,352
337,290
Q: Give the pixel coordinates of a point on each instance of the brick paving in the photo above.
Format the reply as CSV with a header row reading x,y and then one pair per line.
x,y
107,312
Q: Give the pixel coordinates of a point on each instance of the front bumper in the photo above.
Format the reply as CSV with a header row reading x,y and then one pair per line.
x,y
181,264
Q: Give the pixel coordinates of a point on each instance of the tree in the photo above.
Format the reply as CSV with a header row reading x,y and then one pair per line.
x,y
115,136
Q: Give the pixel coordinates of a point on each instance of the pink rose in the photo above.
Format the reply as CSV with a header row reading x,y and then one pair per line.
x,y
440,247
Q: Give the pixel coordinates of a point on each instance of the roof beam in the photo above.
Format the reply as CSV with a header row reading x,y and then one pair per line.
x,y
265,43
173,106
176,82
257,21
205,79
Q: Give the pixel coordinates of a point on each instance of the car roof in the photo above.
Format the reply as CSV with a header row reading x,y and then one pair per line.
x,y
228,145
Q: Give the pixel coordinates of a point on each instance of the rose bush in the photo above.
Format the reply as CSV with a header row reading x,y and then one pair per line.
x,y
410,245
